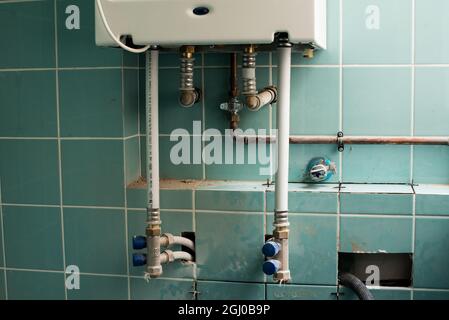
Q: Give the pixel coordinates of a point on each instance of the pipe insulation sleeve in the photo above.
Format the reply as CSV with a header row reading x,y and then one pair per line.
x,y
356,285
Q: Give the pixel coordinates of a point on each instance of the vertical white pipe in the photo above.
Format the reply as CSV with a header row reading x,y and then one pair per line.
x,y
153,231
155,127
283,126
281,223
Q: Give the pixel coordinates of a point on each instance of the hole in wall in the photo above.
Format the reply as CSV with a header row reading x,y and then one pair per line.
x,y
393,269
189,235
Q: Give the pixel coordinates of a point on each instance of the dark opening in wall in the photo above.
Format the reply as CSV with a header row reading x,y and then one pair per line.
x,y
189,235
393,269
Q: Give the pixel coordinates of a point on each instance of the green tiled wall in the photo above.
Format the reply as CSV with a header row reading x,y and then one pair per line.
x,y
72,137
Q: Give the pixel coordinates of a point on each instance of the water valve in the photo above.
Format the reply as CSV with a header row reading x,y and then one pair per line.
x,y
139,259
270,267
271,248
139,242
320,169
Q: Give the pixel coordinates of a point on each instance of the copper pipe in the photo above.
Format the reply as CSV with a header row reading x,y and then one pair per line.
x,y
233,79
349,140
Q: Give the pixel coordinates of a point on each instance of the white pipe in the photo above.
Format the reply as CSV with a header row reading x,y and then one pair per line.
x,y
170,256
154,267
155,127
281,186
168,240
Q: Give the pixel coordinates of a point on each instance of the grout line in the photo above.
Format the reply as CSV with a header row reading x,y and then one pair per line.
x,y
413,77
125,178
195,276
340,103
58,122
203,114
3,242
419,65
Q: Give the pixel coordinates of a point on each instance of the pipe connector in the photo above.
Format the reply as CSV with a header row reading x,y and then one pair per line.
x,y
153,230
167,256
187,98
267,96
249,72
189,95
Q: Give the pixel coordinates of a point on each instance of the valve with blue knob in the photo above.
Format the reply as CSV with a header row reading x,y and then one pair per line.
x,y
270,249
139,259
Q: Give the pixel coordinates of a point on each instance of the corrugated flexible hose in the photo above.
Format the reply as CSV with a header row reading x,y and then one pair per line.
x,y
355,284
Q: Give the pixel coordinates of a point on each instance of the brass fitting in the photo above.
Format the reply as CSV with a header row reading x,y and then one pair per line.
x,y
235,119
250,49
281,234
153,230
188,51
308,53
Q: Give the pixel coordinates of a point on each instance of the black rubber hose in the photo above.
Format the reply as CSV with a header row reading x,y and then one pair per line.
x,y
351,281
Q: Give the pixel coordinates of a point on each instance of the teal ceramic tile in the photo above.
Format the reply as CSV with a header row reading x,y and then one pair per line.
x,y
29,285
238,238
130,59
2,262
161,289
39,226
300,156
95,240
432,26
170,199
91,103
427,204
29,171
376,188
315,101
136,197
359,203
431,259
100,288
377,101
431,100
131,102
168,167
28,102
214,290
430,164
2,285
176,199
373,234
229,200
313,248
216,92
376,164
25,20
92,173
307,202
238,161
172,115
73,40
295,292
331,55
132,158
377,31
379,294
430,295
172,222
142,101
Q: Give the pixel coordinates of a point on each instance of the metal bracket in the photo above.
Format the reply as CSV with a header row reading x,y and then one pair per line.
x,y
340,143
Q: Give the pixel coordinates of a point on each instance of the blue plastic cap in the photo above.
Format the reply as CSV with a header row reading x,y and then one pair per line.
x,y
271,267
139,259
139,242
271,248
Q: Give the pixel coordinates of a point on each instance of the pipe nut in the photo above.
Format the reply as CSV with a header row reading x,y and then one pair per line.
x,y
281,234
170,255
282,276
170,238
154,271
153,231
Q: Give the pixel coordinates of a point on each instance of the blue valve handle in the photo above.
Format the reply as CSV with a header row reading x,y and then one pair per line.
x,y
270,267
139,259
139,242
271,248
